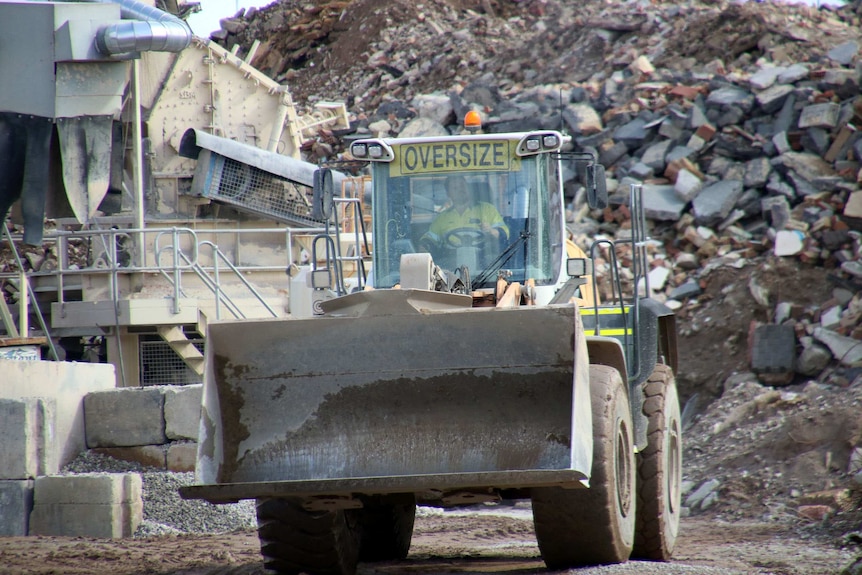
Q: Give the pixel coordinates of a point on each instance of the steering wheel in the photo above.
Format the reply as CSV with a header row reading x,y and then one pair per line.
x,y
464,238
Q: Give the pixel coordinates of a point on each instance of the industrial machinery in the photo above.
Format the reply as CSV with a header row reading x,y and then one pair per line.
x,y
482,369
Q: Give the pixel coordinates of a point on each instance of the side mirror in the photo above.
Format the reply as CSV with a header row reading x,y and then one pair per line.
x,y
321,199
596,185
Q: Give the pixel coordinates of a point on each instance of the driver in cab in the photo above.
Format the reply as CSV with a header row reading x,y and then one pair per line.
x,y
465,221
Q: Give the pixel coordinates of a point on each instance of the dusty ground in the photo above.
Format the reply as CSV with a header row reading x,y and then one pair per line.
x,y
443,543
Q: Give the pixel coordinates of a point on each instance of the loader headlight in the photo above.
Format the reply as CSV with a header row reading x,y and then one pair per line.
x,y
550,141
532,144
375,151
359,150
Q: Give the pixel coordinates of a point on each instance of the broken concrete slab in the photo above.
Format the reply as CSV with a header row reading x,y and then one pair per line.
x,y
125,417
714,202
16,503
662,203
820,116
29,444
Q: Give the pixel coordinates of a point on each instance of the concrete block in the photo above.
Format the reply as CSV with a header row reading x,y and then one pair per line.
x,y
773,350
83,488
182,456
125,417
66,383
16,503
182,411
28,447
148,455
101,505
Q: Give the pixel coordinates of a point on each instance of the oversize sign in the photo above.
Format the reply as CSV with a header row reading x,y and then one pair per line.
x,y
492,155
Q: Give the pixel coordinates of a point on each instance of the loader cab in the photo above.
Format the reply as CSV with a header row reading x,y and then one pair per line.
x,y
513,224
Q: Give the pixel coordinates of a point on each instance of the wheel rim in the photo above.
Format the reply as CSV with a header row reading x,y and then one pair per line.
x,y
674,464
623,464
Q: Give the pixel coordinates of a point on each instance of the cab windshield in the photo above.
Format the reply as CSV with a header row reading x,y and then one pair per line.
x,y
482,221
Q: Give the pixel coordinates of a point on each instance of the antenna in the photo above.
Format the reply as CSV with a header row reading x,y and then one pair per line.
x,y
562,125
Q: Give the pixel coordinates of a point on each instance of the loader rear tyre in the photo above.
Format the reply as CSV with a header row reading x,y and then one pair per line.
x,y
659,470
294,541
594,526
386,531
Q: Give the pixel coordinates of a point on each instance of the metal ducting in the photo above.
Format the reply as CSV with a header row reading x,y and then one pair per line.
x,y
144,28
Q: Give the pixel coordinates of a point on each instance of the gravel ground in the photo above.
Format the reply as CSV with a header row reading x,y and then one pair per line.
x,y
165,512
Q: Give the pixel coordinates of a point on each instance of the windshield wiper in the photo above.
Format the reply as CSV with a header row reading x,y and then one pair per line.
x,y
502,259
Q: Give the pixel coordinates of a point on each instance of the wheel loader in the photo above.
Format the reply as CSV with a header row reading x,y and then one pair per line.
x,y
476,368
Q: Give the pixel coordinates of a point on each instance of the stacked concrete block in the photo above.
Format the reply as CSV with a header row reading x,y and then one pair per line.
x,y
16,503
103,505
182,411
28,447
125,417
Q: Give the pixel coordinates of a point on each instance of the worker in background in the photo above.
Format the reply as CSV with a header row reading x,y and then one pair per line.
x,y
465,221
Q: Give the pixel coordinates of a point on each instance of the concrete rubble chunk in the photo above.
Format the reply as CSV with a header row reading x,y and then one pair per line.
x,y
820,116
813,359
809,167
853,207
715,202
689,289
661,203
788,243
687,185
655,155
793,74
582,119
757,172
844,53
765,77
772,99
437,107
731,96
695,498
632,134
423,127
846,350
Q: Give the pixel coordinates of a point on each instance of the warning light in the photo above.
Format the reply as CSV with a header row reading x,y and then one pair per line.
x,y
472,121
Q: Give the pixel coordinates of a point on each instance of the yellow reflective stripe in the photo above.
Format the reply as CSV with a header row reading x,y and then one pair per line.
x,y
603,311
606,331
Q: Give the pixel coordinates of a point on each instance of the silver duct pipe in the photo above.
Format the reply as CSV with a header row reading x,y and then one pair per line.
x,y
145,29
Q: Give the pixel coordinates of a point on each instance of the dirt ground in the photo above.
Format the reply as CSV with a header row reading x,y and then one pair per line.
x,y
498,540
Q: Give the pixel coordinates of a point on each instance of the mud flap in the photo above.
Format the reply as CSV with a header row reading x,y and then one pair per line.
x,y
390,393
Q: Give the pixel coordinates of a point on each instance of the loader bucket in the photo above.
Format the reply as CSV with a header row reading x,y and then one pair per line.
x,y
394,391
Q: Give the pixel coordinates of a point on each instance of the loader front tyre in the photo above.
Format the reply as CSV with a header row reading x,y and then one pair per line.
x,y
659,470
386,531
294,541
595,526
